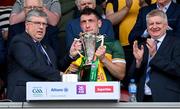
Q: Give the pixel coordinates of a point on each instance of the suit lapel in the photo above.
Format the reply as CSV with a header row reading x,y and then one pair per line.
x,y
170,10
146,54
28,39
164,45
50,54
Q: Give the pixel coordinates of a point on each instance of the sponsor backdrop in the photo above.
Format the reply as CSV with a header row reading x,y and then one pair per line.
x,y
73,91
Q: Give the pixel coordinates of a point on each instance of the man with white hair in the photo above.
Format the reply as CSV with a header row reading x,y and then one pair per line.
x,y
139,31
157,62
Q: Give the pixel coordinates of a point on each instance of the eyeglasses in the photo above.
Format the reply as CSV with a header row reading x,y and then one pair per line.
x,y
39,23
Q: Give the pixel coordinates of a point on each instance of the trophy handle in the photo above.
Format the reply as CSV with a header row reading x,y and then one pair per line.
x,y
79,52
100,38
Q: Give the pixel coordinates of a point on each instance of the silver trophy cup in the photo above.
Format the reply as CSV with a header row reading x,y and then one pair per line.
x,y
88,41
89,46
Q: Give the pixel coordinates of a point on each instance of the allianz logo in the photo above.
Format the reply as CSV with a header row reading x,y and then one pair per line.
x,y
59,90
56,90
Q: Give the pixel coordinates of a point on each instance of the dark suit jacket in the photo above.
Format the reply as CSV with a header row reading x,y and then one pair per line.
x,y
165,72
73,29
173,14
2,49
2,64
50,38
27,63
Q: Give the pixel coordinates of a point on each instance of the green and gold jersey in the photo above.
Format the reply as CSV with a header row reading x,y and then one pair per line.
x,y
114,52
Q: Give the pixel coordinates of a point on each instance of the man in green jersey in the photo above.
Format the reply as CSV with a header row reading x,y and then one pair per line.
x,y
111,61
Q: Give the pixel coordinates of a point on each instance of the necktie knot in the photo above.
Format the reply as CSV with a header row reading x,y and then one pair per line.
x,y
38,44
156,42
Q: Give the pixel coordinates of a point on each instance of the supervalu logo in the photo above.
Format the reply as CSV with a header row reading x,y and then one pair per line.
x,y
104,89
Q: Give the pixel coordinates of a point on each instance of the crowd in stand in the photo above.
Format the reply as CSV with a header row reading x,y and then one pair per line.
x,y
39,41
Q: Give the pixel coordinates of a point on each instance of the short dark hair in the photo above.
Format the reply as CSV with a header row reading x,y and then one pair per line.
x,y
88,11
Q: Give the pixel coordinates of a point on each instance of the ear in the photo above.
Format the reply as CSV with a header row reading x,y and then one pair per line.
x,y
99,23
94,5
79,8
168,27
26,25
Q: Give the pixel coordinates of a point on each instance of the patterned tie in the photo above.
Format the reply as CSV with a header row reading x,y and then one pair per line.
x,y
40,47
156,42
147,89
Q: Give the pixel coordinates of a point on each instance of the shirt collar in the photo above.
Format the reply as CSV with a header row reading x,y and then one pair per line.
x,y
161,38
165,8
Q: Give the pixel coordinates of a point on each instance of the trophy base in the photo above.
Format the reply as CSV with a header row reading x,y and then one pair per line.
x,y
69,78
88,64
86,73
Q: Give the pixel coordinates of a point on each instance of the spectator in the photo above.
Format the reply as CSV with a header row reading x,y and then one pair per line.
x,y
2,62
30,59
5,10
50,7
157,62
2,50
4,20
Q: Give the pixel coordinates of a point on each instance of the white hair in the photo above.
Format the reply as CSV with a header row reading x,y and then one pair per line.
x,y
77,2
157,12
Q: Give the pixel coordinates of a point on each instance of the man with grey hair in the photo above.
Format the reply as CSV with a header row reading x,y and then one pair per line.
x,y
157,62
139,31
73,27
29,59
50,7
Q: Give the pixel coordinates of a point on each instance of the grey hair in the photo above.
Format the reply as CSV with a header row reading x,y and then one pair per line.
x,y
36,13
157,12
77,2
